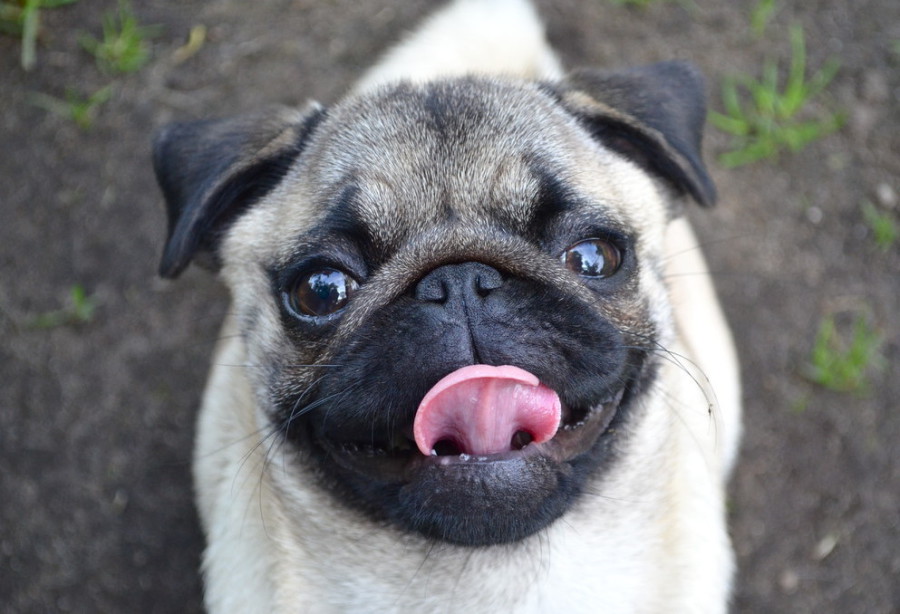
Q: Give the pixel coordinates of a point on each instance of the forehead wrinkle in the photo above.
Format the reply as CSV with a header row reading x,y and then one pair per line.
x,y
508,189
499,191
472,169
392,211
425,189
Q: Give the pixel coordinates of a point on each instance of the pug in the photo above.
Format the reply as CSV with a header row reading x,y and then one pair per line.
x,y
473,360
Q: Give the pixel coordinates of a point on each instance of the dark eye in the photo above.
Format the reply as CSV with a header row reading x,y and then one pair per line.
x,y
321,293
593,258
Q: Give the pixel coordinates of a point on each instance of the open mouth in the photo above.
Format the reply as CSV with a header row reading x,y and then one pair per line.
x,y
481,414
491,456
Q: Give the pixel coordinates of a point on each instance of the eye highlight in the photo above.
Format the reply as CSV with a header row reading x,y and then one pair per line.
x,y
320,293
595,258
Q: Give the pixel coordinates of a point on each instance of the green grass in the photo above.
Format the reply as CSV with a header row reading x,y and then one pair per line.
x,y
124,46
80,310
801,404
195,42
761,15
765,118
843,362
22,18
883,226
75,107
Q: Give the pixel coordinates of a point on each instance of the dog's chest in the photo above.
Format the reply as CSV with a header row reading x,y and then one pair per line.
x,y
559,571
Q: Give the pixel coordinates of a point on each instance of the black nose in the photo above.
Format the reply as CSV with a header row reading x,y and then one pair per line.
x,y
452,282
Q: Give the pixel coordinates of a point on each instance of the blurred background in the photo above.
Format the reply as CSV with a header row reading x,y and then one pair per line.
x,y
102,364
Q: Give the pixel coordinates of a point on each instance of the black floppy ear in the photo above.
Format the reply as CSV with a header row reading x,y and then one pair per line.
x,y
653,115
212,171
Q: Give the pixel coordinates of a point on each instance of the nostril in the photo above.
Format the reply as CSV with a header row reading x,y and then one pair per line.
x,y
447,447
454,282
432,289
487,279
521,439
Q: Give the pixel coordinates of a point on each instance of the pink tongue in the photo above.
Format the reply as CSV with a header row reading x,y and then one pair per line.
x,y
479,409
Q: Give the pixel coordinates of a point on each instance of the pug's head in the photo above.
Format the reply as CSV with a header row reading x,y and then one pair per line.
x,y
451,294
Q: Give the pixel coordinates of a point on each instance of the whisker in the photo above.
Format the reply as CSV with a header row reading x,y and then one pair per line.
x,y
707,273
701,245
250,365
693,370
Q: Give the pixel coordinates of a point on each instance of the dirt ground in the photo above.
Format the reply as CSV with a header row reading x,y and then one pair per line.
x,y
96,417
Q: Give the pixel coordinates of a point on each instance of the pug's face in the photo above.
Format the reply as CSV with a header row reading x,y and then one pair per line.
x,y
450,294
